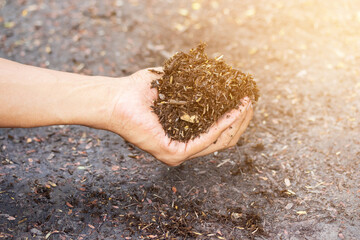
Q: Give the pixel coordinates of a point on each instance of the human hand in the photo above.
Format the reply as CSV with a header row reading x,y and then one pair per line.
x,y
133,119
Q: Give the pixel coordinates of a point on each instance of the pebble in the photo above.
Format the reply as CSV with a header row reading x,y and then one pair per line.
x,y
289,206
287,182
36,231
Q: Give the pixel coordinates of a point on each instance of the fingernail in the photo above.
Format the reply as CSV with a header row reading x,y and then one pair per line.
x,y
249,106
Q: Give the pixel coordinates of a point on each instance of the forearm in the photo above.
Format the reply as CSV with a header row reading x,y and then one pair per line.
x,y
32,97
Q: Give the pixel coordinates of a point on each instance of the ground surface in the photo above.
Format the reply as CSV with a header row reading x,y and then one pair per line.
x,y
293,175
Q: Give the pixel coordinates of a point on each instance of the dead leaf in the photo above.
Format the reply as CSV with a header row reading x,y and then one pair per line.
x,y
52,183
252,51
9,24
186,117
24,13
196,5
180,27
183,12
48,49
251,11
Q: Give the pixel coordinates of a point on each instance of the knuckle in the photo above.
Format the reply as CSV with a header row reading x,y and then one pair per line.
x,y
171,155
166,149
173,161
170,159
171,152
173,164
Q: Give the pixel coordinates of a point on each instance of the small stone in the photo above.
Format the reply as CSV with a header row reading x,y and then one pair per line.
x,y
235,215
51,156
48,49
36,231
287,182
161,96
119,3
289,206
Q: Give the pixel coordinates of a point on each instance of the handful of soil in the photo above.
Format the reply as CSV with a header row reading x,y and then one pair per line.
x,y
195,91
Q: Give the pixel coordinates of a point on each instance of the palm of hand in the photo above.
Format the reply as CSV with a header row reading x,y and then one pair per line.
x,y
134,120
141,124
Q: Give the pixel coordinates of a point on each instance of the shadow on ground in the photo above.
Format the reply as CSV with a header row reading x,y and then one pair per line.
x,y
293,174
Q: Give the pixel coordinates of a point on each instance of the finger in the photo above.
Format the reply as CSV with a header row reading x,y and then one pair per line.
x,y
244,125
226,137
158,69
183,150
199,144
149,75
237,125
221,143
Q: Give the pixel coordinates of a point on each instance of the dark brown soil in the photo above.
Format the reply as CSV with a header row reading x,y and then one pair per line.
x,y
294,174
195,91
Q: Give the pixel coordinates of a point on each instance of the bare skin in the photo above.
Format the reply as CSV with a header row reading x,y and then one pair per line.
x,y
33,97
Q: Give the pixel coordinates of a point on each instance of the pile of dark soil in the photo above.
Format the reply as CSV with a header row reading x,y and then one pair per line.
x,y
195,91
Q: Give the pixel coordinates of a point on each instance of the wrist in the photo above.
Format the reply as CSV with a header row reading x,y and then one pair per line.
x,y
96,99
40,97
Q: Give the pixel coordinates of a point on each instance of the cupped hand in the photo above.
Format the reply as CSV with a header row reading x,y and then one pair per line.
x,y
133,119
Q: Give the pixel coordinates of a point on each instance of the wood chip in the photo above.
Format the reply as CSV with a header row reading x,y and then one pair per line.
x,y
223,162
287,182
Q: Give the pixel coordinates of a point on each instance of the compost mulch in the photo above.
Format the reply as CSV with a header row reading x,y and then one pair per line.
x,y
195,91
294,174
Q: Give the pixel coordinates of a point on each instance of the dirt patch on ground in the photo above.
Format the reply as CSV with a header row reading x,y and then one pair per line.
x,y
293,174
